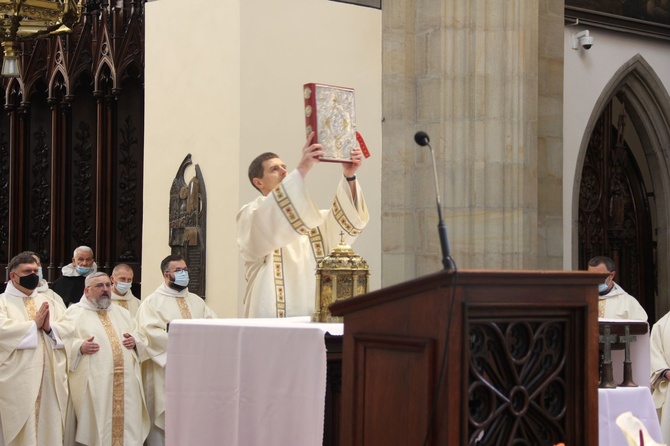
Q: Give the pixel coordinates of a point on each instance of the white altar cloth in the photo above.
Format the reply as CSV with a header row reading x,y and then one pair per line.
x,y
614,402
246,382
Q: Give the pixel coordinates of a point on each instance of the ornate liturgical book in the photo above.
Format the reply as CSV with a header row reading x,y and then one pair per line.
x,y
331,114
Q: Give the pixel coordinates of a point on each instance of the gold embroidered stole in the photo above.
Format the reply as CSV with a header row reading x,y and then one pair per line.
x,y
280,303
601,308
29,302
118,382
122,303
183,308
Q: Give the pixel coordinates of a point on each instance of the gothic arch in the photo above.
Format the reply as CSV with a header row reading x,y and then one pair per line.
x,y
648,106
59,70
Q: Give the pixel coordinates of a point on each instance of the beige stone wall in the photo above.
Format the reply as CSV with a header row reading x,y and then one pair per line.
x,y
468,73
550,144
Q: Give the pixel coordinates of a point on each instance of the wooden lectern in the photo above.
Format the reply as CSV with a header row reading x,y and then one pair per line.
x,y
472,358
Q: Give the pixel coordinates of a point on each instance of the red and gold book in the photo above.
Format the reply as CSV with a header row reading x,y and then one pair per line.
x,y
330,113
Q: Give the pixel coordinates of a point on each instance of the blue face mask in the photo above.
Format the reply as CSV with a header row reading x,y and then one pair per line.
x,y
82,270
181,278
123,287
602,288
39,273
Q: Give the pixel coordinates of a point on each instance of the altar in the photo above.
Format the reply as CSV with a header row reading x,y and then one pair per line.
x,y
614,402
263,381
246,382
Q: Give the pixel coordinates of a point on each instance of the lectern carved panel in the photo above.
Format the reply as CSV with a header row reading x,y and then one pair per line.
x,y
517,382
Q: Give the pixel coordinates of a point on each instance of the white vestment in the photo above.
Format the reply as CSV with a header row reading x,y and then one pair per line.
x,y
282,235
618,304
155,313
128,301
43,288
106,386
660,361
33,377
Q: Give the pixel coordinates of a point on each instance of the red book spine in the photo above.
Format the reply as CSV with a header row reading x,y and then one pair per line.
x,y
310,111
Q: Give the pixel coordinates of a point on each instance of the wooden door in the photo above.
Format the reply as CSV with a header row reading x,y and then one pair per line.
x,y
614,214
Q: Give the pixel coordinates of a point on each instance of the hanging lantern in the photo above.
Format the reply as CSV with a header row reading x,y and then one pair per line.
x,y
29,19
341,275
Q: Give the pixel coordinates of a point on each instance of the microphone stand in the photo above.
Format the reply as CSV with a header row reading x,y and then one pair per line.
x,y
447,262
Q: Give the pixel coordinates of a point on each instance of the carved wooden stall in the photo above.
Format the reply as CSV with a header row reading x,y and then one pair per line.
x,y
71,142
475,357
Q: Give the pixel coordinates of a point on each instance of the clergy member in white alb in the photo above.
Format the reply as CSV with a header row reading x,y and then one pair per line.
x,y
122,295
33,377
170,301
43,286
104,369
282,234
613,301
660,372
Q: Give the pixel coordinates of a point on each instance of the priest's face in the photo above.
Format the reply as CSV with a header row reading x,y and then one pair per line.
x,y
20,274
274,172
173,267
122,275
98,292
602,269
83,258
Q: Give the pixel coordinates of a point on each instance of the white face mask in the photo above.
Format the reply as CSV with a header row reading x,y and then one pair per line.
x,y
123,287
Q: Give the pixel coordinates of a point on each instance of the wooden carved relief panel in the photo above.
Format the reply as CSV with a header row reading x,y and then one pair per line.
x,y
614,215
188,223
517,385
71,143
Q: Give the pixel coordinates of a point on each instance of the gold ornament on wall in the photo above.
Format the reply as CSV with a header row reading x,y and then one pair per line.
x,y
341,275
22,20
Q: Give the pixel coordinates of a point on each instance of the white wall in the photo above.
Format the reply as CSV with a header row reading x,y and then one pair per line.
x,y
238,93
586,74
192,103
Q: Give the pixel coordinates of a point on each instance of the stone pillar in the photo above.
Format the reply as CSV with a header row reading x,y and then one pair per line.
x,y
468,73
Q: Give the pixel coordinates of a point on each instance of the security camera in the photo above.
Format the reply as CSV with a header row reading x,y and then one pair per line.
x,y
582,38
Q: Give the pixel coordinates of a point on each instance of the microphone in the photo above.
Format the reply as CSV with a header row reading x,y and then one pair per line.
x,y
422,139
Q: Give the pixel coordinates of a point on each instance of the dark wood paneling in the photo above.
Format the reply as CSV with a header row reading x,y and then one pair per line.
x,y
510,356
71,143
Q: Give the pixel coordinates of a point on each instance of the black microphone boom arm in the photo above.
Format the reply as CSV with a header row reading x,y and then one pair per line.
x,y
448,263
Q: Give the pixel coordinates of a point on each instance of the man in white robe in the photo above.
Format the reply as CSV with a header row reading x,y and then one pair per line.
x,y
170,301
33,377
281,234
613,301
104,369
660,372
122,294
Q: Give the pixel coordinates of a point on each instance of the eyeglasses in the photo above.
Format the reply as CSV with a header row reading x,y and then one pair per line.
x,y
101,285
178,270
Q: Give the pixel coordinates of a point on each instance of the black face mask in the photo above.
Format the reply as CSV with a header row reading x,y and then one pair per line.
x,y
30,281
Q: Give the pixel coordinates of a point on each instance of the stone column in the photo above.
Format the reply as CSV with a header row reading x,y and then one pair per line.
x,y
468,73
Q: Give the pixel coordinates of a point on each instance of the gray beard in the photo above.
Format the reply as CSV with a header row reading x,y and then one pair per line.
x,y
103,303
